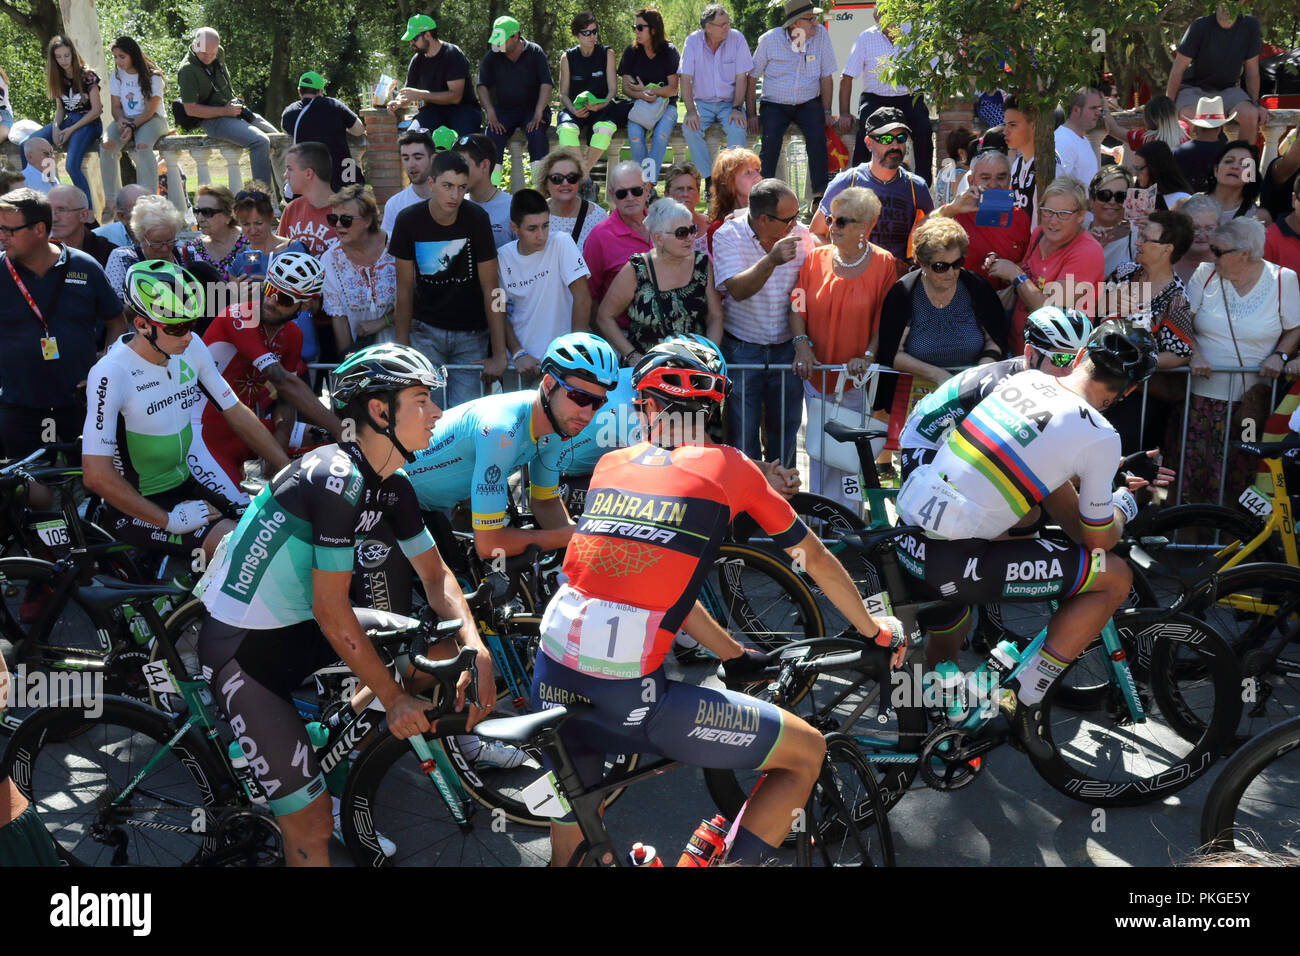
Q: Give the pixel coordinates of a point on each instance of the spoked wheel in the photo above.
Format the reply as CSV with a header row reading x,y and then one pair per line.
x,y
845,823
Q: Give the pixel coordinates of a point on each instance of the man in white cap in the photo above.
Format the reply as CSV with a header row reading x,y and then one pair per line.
x,y
1195,156
1211,58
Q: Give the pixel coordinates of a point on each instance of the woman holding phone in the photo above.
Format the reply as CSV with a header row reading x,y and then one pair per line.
x,y
258,222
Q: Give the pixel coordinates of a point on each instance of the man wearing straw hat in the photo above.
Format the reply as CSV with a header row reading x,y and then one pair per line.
x,y
1206,123
1212,57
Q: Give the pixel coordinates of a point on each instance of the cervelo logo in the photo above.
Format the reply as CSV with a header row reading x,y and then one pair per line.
x,y
76,909
101,393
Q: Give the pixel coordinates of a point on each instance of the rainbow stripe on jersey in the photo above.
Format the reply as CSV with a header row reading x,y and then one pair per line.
x,y
988,440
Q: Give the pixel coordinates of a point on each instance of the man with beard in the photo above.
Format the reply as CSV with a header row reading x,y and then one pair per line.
x,y
438,80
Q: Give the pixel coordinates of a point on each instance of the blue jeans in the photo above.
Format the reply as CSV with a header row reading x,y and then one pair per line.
x,y
83,141
771,397
250,136
775,118
658,141
446,347
463,118
518,119
712,113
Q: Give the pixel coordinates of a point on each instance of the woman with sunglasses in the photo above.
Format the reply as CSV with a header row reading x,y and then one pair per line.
x,y
735,172
666,291
221,244
1105,219
940,316
648,70
682,183
1235,182
360,273
561,183
588,68
1154,165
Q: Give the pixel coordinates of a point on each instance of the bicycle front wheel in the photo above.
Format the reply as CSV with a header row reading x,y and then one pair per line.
x,y
844,822
1254,806
755,592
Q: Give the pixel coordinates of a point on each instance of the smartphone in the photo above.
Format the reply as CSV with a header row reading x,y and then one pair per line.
x,y
996,206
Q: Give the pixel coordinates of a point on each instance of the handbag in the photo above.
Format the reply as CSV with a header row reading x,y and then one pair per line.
x,y
836,454
646,114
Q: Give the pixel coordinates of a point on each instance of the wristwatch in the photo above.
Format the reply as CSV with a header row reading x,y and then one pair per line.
x,y
1285,358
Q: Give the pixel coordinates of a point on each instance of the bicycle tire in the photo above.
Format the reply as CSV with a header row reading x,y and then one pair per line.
x,y
1151,760
757,593
387,794
1259,785
70,777
845,823
1172,536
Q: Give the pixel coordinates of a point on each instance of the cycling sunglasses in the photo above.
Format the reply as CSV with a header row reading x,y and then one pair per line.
x,y
684,232
175,329
580,398
637,191
571,178
1110,195
888,139
942,267
343,220
1060,359
279,296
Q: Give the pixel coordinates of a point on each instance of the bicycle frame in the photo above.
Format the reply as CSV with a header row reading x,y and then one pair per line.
x,y
1280,519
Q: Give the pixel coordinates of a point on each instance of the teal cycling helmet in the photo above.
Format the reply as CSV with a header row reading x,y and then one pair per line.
x,y
584,356
383,369
1051,329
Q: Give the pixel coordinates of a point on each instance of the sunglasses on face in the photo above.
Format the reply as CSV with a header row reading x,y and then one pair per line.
x,y
641,26
784,219
942,267
343,220
580,398
279,296
1060,359
1217,252
588,33
203,212
175,329
1110,195
685,232
571,178
1162,241
637,191
887,139
841,221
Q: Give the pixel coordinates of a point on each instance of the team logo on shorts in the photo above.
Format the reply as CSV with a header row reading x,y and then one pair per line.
x,y
492,475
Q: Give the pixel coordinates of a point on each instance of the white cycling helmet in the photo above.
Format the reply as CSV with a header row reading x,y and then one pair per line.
x,y
296,273
1051,329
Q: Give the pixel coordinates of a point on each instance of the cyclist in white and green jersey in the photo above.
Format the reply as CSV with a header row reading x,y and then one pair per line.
x,y
137,432
278,596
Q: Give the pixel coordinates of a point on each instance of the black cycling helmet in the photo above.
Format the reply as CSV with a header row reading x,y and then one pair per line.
x,y
684,370
1123,349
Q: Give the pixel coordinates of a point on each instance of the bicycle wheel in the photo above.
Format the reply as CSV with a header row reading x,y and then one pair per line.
x,y
387,793
754,592
1192,699
844,822
1254,806
74,773
1186,537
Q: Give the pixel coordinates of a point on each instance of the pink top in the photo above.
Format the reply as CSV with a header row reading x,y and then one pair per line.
x,y
1078,269
606,251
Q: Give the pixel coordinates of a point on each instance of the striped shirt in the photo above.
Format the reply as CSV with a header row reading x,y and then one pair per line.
x,y
762,318
791,77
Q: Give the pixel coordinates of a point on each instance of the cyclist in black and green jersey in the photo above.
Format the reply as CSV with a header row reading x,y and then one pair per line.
x,y
278,595
137,432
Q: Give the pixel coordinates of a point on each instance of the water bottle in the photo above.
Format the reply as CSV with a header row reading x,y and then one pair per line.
x,y
706,845
319,735
1004,658
979,689
239,764
643,855
952,690
139,628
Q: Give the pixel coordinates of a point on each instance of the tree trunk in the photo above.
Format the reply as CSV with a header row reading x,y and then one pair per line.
x,y
43,20
278,91
543,24
1044,150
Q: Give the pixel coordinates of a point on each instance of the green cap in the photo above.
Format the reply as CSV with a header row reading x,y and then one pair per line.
x,y
444,138
503,29
311,80
420,23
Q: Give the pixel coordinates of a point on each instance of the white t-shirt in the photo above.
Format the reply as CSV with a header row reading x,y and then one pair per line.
x,y
1075,156
126,87
538,301
498,210
1258,320
565,224
395,204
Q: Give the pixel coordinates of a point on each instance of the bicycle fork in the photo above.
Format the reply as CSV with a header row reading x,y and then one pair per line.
x,y
436,765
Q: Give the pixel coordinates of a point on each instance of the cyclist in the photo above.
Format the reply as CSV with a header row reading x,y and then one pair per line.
x,y
258,349
139,397
656,515
278,597
1021,446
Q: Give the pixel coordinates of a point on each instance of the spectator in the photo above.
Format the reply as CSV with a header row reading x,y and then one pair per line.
x,y
1204,213
307,169
416,150
588,68
872,52
835,313
1018,132
940,316
438,79
135,89
1280,179
714,70
1064,266
77,109
10,180
735,172
561,174
360,289
447,305
1105,219
1159,125
221,244
682,183
1282,241
1153,165
648,71
1247,315
6,112
54,302
666,291
1197,155
621,235
71,212
757,255
317,118
40,168
118,232
960,147
205,91
990,169
481,156
904,197
258,223
796,62
545,281
1211,58
514,86
155,224
1075,155
1234,181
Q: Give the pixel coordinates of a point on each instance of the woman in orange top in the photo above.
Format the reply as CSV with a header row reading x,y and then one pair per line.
x,y
835,311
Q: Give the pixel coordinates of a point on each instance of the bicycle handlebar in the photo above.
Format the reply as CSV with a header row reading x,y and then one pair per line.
x,y
448,674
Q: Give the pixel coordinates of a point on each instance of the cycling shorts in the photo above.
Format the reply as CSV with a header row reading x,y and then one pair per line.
x,y
651,715
149,537
253,675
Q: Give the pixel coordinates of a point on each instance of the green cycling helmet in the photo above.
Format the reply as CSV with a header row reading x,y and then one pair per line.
x,y
163,292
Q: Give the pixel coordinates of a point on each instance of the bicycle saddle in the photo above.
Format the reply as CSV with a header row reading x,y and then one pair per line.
x,y
846,433
521,729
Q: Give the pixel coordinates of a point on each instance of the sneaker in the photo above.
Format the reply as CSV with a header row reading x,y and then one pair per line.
x,y
1026,722
495,755
386,845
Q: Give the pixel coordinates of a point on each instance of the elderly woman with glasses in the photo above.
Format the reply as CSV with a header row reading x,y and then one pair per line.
x,y
1105,220
1065,265
155,224
666,291
682,182
1204,213
1247,315
222,244
360,273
